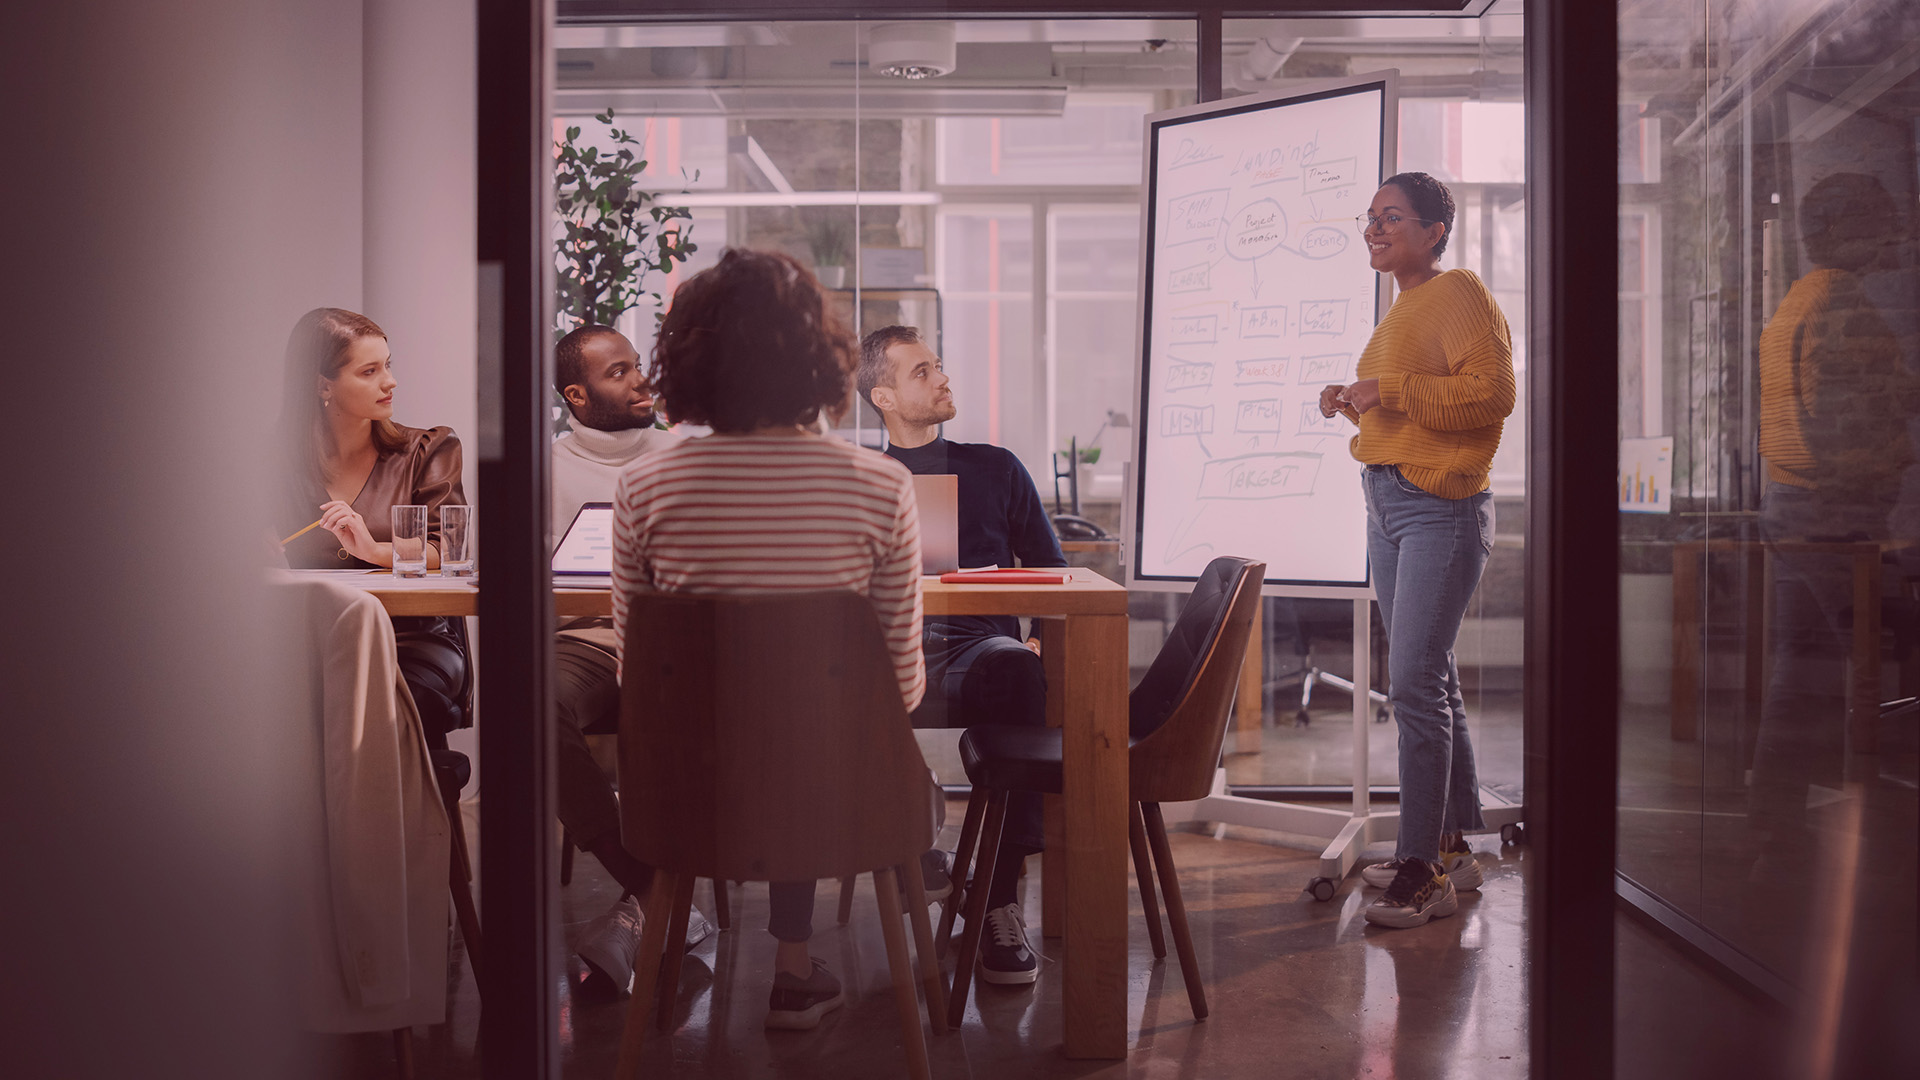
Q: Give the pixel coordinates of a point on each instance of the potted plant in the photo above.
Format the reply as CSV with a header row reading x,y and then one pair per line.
x,y
827,237
614,233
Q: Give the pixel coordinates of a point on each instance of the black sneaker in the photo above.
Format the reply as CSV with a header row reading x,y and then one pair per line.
x,y
1005,957
798,1004
1420,891
935,876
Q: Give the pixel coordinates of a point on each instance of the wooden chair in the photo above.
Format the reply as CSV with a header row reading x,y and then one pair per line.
x,y
762,738
1176,723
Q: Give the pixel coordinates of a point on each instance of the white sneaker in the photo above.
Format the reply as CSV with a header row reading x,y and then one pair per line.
x,y
609,942
1462,869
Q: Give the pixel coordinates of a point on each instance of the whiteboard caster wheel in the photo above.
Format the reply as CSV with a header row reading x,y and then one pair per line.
x,y
1301,719
1381,715
1321,889
1513,834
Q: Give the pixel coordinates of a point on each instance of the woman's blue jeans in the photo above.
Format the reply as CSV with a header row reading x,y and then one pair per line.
x,y
1427,554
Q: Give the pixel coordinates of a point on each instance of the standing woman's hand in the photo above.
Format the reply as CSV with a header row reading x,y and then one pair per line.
x,y
1364,395
1331,401
350,529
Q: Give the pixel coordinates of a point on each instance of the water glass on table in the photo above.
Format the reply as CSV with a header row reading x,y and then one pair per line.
x,y
409,541
456,541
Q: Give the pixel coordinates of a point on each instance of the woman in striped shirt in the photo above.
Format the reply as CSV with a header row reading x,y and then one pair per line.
x,y
769,502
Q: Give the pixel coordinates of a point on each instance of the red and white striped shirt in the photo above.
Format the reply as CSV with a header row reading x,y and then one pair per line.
x,y
769,513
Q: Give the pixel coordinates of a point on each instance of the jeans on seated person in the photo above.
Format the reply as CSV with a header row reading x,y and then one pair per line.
x,y
990,679
586,702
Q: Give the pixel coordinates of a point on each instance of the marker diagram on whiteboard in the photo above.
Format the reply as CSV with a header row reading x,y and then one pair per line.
x,y
1258,295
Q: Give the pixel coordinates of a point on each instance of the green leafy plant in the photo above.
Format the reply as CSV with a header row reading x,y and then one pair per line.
x,y
616,232
827,237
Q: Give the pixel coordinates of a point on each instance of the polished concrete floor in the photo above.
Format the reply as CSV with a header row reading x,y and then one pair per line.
x,y
1297,989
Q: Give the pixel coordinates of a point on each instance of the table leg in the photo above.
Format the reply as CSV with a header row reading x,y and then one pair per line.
x,y
1053,861
1864,697
1249,704
1684,722
1095,767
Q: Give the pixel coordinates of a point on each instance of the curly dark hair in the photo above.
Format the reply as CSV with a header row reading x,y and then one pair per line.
x,y
1431,201
752,342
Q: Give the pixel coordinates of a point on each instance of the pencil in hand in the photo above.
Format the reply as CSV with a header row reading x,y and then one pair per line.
x,y
301,533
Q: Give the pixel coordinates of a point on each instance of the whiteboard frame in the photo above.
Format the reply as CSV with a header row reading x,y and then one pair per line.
x,y
1388,82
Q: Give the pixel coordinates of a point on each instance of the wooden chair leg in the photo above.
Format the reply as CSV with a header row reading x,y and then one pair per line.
x,y
460,883
886,887
962,862
566,857
722,905
1176,910
676,948
976,909
1143,871
846,900
646,975
932,985
403,1051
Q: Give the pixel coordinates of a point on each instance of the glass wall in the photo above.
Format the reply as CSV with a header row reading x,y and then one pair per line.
x,y
1769,383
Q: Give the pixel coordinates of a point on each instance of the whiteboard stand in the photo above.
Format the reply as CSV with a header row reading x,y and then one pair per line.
x,y
1348,832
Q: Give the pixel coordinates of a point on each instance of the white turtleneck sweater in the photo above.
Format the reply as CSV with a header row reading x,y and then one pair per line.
x,y
587,464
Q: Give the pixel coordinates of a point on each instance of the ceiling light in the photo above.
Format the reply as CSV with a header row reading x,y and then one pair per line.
x,y
915,50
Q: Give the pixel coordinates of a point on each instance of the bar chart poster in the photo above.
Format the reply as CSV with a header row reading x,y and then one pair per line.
x,y
1646,475
1256,293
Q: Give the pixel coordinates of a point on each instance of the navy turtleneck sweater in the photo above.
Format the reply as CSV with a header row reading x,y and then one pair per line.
x,y
1001,517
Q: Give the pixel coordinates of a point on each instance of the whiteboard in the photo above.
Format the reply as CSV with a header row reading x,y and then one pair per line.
x,y
1255,293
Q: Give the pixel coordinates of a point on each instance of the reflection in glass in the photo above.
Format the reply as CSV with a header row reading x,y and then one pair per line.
x,y
1770,349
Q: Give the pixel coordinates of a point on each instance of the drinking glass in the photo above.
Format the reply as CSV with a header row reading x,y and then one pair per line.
x,y
456,541
409,541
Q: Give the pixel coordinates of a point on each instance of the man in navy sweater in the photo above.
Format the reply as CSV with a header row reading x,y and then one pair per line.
x,y
978,669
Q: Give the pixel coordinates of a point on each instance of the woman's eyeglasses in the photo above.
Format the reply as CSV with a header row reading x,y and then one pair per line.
x,y
1367,222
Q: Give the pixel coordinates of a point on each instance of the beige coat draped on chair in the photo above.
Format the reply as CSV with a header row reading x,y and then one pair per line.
x,y
375,921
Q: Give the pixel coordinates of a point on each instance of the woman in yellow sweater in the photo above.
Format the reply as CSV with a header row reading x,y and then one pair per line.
x,y
1435,385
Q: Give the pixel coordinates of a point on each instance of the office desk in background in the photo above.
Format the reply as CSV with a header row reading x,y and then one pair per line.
x,y
1082,626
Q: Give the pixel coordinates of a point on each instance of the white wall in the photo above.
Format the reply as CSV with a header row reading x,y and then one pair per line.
x,y
182,182
418,232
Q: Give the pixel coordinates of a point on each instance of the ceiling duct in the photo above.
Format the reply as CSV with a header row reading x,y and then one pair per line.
x,y
793,81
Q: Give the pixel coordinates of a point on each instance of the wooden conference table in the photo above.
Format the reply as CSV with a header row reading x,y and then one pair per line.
x,y
1082,627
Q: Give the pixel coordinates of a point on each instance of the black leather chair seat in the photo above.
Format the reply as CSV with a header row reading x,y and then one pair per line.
x,y
1014,758
452,765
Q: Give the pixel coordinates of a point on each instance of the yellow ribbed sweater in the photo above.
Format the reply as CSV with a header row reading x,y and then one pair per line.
x,y
1444,359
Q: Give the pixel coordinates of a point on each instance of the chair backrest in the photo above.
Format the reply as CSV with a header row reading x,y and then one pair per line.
x,y
1178,713
762,738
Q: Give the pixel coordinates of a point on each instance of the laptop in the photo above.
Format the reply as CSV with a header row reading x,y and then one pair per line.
x,y
939,499
584,557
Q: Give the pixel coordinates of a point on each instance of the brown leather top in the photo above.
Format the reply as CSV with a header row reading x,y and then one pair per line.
x,y
426,471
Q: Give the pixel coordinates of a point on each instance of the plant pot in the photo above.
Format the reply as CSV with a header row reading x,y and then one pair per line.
x,y
833,277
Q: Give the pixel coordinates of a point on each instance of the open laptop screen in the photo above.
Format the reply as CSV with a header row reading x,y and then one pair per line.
x,y
586,551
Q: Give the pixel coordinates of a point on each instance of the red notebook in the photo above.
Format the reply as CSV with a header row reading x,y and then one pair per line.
x,y
1015,576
